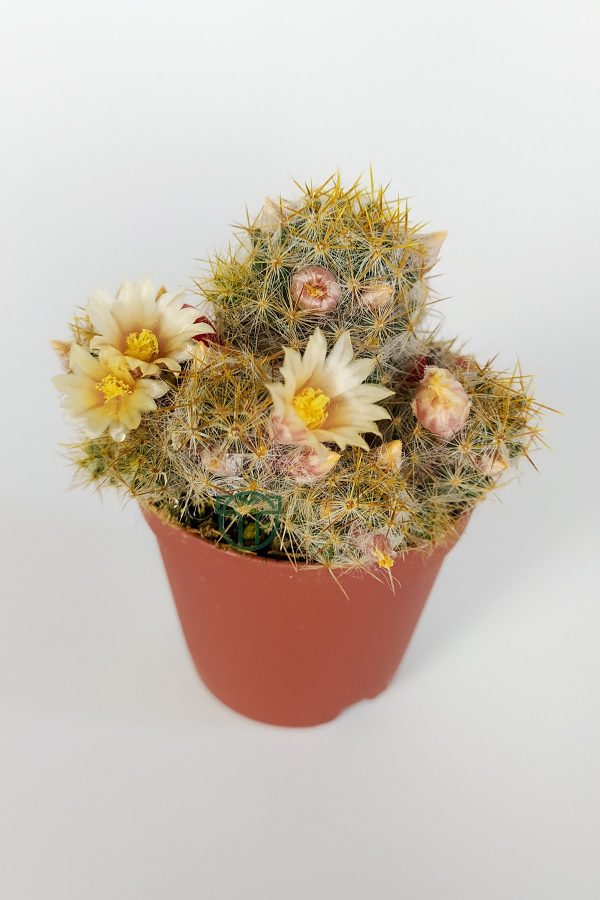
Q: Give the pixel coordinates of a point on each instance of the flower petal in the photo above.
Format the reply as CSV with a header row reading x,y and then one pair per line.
x,y
350,410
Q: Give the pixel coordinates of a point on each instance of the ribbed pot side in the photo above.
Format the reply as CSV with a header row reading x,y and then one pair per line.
x,y
288,646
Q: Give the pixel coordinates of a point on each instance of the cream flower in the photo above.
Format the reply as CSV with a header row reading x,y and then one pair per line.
x,y
322,398
150,331
315,289
441,404
102,393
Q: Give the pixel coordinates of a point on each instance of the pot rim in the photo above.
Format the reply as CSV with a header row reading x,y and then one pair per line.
x,y
149,510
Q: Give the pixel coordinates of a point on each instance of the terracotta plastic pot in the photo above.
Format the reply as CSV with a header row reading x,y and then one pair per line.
x,y
288,646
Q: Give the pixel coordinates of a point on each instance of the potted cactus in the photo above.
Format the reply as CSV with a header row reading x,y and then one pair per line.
x,y
303,443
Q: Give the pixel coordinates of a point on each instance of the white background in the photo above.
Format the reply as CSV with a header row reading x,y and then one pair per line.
x,y
132,135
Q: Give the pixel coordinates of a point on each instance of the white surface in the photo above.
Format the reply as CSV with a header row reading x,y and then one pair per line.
x,y
133,133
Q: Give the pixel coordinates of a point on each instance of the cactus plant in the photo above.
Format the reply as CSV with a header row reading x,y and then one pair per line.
x,y
308,371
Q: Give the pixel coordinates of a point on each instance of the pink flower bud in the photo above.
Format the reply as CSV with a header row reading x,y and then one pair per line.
x,y
441,404
315,289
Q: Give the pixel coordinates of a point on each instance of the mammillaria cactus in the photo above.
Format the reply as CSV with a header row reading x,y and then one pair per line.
x,y
307,372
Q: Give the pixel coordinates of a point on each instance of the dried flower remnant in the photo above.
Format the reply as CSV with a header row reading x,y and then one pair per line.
x,y
382,552
429,247
269,218
492,463
389,455
221,463
62,350
375,296
375,548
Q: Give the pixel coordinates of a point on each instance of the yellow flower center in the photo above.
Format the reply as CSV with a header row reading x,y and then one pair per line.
x,y
438,385
142,345
311,406
314,290
112,387
384,561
